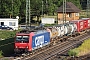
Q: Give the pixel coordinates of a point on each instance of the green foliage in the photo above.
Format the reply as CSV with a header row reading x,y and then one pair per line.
x,y
7,34
81,50
18,7
1,53
7,46
73,52
76,2
7,49
85,45
49,25
7,8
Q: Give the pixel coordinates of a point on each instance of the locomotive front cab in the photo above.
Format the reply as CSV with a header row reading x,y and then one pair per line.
x,y
22,43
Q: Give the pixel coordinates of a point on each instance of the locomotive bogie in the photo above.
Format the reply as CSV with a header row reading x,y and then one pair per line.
x,y
20,50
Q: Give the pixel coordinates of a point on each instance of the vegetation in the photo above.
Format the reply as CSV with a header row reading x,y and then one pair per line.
x,y
7,45
13,8
47,25
1,53
81,50
6,34
73,52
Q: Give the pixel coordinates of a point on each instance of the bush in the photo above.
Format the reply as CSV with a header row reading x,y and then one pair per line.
x,y
73,52
8,37
7,34
49,25
1,53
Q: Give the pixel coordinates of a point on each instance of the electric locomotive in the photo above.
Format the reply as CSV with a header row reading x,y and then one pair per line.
x,y
25,42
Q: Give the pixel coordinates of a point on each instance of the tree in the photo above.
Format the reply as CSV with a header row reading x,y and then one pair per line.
x,y
18,7
7,8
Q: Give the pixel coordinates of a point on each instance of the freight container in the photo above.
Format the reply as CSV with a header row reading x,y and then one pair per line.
x,y
68,29
74,27
58,30
53,32
79,24
88,22
85,23
48,20
62,29
40,39
13,23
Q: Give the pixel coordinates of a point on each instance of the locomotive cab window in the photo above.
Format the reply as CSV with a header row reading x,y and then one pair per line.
x,y
22,38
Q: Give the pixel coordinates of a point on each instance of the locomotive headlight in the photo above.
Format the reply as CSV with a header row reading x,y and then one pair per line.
x,y
26,46
16,47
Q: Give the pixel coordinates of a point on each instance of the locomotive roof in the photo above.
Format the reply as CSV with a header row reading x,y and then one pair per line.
x,y
40,32
26,32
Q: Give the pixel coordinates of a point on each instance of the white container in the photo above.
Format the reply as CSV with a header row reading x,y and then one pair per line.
x,y
47,20
13,23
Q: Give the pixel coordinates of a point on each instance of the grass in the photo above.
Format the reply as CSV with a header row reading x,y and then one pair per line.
x,y
84,14
81,50
84,48
1,53
6,34
46,25
5,48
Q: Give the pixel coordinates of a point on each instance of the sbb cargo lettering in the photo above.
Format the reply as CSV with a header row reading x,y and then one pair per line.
x,y
39,40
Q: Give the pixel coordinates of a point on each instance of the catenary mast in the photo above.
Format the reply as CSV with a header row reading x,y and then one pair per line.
x,y
64,11
88,8
28,21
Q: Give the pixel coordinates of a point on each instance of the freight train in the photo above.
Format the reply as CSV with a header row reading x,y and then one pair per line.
x,y
33,40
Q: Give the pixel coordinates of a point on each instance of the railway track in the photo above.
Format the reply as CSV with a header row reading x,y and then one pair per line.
x,y
51,52
80,39
35,55
73,45
85,57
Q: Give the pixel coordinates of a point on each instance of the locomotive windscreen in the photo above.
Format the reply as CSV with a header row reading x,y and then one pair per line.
x,y
22,39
